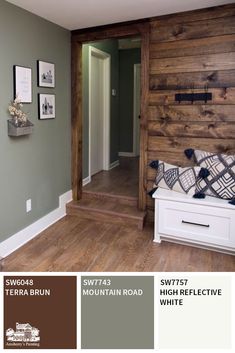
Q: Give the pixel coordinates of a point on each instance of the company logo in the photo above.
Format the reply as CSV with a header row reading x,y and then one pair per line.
x,y
24,335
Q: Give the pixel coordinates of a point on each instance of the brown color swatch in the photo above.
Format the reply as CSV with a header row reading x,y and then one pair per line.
x,y
44,303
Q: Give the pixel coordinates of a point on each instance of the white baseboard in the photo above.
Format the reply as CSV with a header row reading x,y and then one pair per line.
x,y
22,237
126,154
86,181
114,165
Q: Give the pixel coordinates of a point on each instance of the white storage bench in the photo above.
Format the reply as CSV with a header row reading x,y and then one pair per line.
x,y
208,222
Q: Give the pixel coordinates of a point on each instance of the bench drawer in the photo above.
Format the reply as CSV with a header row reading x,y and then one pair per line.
x,y
195,222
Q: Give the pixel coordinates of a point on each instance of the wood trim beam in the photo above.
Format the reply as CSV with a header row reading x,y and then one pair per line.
x,y
76,133
117,30
144,115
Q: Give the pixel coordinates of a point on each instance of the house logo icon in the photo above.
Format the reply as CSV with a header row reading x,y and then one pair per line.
x,y
23,333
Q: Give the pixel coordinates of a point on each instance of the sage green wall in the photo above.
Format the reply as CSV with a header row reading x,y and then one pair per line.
x,y
35,166
110,47
127,59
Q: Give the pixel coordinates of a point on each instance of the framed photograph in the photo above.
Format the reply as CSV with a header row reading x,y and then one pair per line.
x,y
23,83
46,74
46,106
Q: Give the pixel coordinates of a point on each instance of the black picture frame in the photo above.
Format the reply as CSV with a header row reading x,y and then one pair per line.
x,y
45,74
46,106
22,82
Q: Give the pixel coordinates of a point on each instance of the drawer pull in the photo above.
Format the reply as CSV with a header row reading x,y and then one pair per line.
x,y
196,224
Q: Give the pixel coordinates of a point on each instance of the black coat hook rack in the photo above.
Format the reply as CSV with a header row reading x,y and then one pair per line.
x,y
192,97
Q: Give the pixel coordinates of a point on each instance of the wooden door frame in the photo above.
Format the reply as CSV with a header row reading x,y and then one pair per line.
x,y
135,151
78,38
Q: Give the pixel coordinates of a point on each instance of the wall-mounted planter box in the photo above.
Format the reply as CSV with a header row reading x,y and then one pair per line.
x,y
19,130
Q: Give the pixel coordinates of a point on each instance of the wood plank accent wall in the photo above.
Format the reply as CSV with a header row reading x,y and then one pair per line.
x,y
180,53
188,51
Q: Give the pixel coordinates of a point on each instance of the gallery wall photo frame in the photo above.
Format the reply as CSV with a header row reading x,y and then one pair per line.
x,y
22,83
46,74
46,106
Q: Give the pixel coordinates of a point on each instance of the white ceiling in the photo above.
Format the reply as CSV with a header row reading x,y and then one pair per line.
x,y
75,14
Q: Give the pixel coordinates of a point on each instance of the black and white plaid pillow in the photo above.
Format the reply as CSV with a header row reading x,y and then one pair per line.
x,y
176,178
221,181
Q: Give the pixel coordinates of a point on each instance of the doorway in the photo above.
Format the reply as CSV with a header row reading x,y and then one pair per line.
x,y
111,95
99,111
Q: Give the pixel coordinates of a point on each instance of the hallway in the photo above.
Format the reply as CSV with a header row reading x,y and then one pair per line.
x,y
122,180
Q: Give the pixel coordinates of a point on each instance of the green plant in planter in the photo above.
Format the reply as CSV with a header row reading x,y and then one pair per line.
x,y
18,117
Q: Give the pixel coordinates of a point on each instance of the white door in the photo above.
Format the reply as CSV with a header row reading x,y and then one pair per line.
x,y
136,125
99,110
97,114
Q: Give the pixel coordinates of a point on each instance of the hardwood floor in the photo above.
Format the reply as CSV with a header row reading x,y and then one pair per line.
x,y
122,180
111,197
107,211
75,244
78,244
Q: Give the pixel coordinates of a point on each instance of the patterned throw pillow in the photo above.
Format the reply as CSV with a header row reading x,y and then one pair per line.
x,y
221,181
176,178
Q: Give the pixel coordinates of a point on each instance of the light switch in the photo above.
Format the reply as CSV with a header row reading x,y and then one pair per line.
x,y
28,205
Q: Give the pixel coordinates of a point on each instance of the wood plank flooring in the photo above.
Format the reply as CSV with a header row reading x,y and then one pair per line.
x,y
107,211
75,245
122,180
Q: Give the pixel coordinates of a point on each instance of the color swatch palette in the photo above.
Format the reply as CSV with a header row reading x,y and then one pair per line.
x,y
119,311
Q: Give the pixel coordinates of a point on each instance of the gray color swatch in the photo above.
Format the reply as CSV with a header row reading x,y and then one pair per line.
x,y
117,313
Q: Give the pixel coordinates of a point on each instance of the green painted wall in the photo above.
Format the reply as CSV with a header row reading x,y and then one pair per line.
x,y
127,59
110,47
36,166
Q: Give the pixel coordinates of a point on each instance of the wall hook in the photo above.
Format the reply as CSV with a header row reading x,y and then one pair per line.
x,y
206,92
192,93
